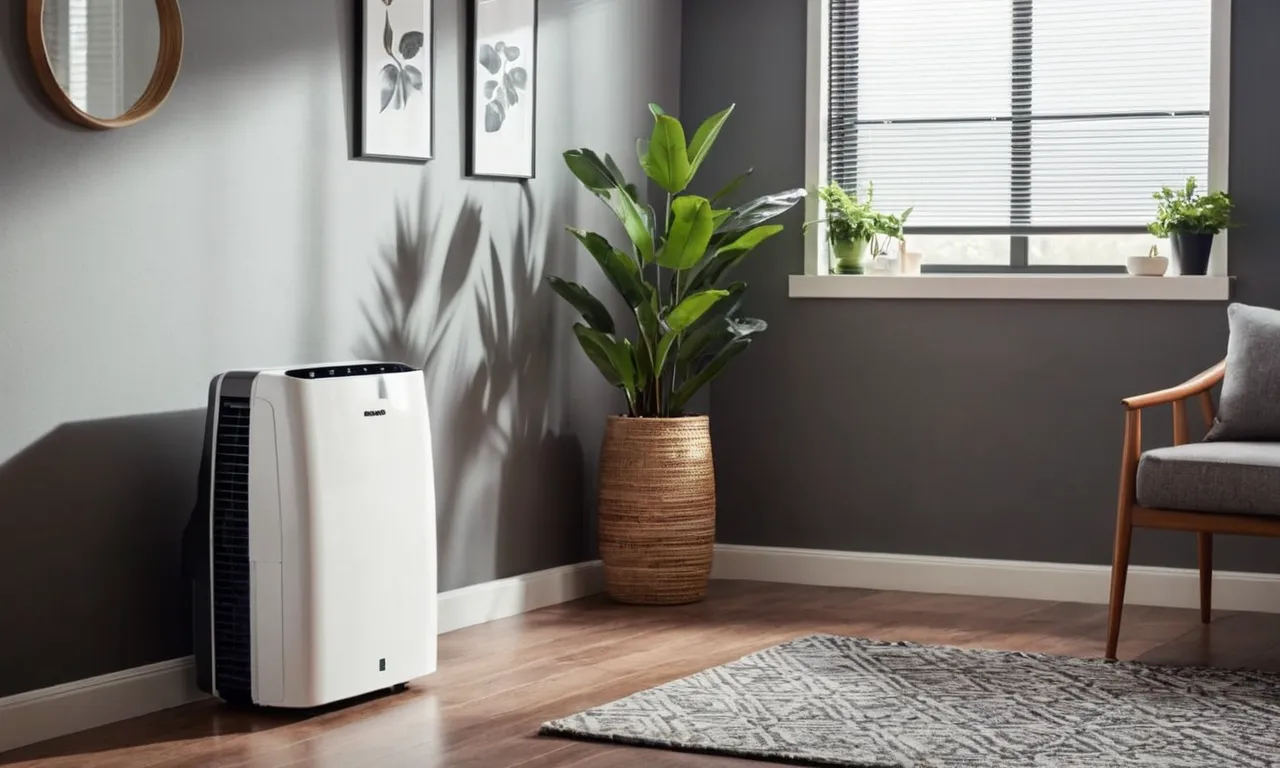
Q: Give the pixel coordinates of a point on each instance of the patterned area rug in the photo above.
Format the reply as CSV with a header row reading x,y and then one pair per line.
x,y
826,700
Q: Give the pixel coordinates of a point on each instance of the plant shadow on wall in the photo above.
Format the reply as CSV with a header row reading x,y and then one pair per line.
x,y
399,78
477,320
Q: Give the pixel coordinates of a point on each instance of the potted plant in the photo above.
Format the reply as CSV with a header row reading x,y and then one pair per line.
x,y
657,481
1151,265
855,228
1190,220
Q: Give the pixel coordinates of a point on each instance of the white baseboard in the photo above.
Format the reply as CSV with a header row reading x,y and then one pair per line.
x,y
51,712
1147,585
27,718
494,600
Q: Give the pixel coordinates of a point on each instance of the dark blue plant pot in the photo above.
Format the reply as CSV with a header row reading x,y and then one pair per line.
x,y
1191,251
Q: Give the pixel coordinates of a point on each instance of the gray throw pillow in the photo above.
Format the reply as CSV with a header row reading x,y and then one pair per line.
x,y
1249,408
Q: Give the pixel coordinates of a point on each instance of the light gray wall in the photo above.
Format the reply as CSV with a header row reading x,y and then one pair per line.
x,y
962,428
232,229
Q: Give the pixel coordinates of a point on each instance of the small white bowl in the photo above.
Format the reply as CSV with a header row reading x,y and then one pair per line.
x,y
1147,266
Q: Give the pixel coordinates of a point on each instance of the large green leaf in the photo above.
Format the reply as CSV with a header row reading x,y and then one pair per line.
x,y
637,224
751,238
603,178
690,232
687,390
597,350
614,358
732,186
761,210
693,307
621,269
644,365
664,351
729,256
747,326
728,307
619,178
711,325
705,137
589,169
710,338
684,315
651,327
593,311
695,343
666,160
624,358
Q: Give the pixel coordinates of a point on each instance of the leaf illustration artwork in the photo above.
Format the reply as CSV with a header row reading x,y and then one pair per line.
x,y
389,81
413,76
398,79
502,91
411,44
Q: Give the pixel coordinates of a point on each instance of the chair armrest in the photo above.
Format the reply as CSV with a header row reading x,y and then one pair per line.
x,y
1201,383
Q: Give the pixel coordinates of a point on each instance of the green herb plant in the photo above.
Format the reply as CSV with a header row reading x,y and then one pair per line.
x,y
674,277
1185,211
850,219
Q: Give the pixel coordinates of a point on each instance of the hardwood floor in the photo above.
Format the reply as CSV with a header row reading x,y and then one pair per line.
x,y
498,681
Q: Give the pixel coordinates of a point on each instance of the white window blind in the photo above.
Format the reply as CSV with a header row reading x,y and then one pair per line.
x,y
1019,116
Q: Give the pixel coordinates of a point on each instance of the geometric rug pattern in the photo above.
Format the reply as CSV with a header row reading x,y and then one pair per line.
x,y
828,700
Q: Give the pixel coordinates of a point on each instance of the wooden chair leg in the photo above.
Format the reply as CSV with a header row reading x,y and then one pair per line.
x,y
1124,526
1119,575
1204,542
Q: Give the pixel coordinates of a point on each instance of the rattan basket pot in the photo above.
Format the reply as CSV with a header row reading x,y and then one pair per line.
x,y
657,509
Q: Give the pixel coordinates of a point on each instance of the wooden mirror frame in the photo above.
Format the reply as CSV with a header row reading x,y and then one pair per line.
x,y
168,62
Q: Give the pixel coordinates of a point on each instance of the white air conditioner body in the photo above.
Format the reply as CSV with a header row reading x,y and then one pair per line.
x,y
319,539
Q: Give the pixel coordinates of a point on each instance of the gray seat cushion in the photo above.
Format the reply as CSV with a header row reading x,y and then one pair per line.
x,y
1241,478
1249,408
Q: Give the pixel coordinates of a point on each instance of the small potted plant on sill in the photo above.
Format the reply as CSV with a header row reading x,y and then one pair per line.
x,y
854,228
1190,220
1151,265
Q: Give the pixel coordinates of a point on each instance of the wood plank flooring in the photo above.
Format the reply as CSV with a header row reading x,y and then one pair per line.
x,y
498,681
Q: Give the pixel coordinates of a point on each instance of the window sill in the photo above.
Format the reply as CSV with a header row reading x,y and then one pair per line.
x,y
1028,287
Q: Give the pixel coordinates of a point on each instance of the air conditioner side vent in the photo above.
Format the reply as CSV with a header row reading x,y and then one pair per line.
x,y
231,607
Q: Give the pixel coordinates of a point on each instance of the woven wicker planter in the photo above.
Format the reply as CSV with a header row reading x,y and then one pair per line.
x,y
657,509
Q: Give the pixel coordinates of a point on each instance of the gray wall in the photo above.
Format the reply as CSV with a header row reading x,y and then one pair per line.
x,y
962,428
232,229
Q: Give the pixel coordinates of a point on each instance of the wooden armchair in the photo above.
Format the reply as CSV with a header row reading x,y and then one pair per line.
x,y
1206,469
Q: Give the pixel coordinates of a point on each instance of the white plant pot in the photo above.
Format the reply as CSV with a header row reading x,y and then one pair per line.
x,y
1147,266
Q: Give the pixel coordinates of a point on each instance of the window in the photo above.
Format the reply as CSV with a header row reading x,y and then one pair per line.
x,y
1028,135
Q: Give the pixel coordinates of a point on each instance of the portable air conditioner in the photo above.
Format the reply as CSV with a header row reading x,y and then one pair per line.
x,y
311,550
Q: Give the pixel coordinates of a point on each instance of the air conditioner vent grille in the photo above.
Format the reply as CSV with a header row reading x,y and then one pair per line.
x,y
231,631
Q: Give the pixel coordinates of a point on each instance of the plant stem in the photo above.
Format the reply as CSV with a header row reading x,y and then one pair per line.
x,y
680,336
675,299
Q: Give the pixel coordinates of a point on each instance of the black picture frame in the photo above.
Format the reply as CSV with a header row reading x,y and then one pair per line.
x,y
360,137
472,95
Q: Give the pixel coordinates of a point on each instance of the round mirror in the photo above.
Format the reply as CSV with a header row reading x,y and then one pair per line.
x,y
105,63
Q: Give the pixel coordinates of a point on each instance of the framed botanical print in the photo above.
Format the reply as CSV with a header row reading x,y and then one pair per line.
x,y
502,86
396,80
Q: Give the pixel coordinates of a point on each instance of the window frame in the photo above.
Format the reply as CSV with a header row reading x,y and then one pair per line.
x,y
817,151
